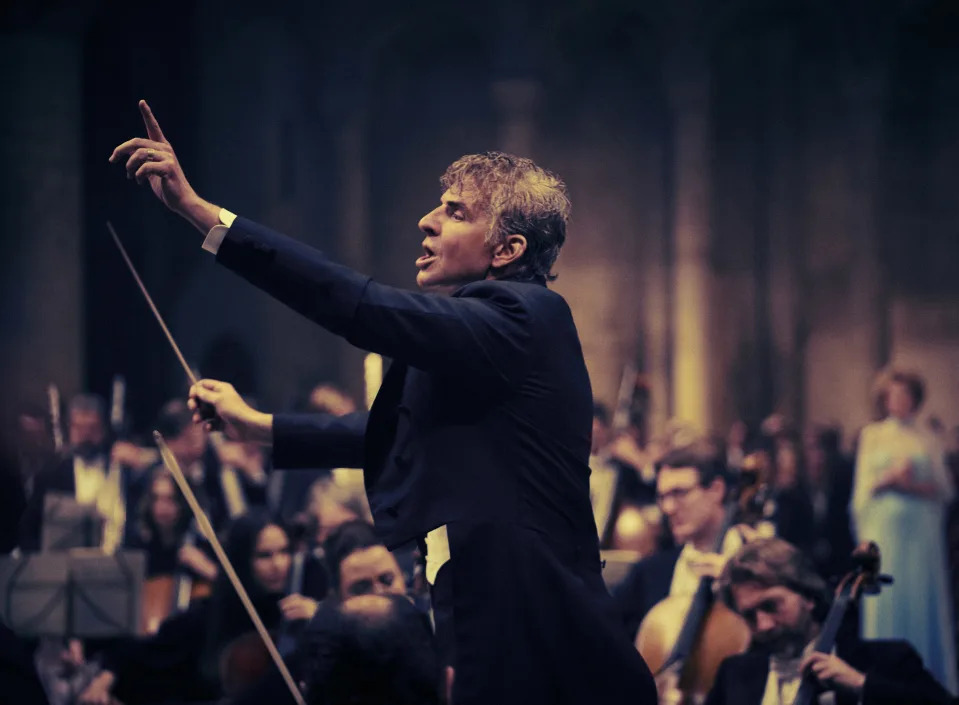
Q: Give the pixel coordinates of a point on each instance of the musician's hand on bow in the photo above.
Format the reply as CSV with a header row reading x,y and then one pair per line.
x,y
242,422
296,606
831,671
152,158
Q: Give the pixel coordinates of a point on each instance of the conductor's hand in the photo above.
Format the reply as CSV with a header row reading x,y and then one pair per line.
x,y
241,421
152,159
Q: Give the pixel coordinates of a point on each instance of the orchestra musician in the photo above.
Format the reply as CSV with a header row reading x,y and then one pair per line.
x,y
205,466
358,564
691,489
82,474
774,587
182,661
161,522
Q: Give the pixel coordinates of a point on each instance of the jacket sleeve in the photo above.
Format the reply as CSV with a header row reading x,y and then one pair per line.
x,y
485,328
305,441
897,675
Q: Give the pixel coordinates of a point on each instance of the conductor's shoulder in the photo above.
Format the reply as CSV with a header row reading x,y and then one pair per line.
x,y
524,293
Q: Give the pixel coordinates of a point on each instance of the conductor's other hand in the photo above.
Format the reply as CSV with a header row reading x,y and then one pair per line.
x,y
241,421
152,159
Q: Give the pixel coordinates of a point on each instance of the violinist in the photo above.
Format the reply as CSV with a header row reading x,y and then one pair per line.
x,y
182,662
774,587
691,488
162,521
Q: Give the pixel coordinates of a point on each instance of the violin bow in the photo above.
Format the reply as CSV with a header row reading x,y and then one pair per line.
x,y
207,530
202,520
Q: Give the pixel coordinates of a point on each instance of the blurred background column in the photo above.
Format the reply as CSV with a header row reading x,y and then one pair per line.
x,y
688,89
41,291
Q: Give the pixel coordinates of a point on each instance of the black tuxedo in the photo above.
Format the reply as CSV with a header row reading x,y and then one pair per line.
x,y
646,584
894,676
483,424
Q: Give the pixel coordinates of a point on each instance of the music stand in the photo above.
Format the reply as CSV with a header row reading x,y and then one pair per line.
x,y
105,593
34,593
68,524
84,593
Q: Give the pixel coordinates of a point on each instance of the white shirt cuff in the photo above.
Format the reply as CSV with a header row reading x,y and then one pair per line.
x,y
214,238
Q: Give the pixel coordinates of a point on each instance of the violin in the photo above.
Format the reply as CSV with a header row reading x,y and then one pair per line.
x,y
685,660
864,578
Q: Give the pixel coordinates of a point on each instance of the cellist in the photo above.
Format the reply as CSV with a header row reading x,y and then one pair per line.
x,y
774,587
691,489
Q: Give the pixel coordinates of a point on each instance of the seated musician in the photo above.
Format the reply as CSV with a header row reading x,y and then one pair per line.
x,y
182,662
203,467
358,564
774,587
83,473
618,473
373,649
691,489
161,522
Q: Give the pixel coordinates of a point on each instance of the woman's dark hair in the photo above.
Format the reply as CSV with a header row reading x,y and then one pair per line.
x,y
372,650
228,618
146,526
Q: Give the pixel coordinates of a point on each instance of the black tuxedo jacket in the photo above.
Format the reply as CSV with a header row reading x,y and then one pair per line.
x,y
894,676
646,584
483,424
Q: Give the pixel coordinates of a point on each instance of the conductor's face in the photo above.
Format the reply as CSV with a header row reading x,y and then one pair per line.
x,y
455,251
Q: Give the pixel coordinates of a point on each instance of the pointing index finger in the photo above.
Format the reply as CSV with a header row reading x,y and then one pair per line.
x,y
153,127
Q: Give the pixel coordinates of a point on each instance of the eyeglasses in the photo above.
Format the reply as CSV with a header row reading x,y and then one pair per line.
x,y
677,494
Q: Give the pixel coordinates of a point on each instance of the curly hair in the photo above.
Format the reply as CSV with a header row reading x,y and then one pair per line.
x,y
520,198
770,563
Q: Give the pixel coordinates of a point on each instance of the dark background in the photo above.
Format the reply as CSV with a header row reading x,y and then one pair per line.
x,y
764,193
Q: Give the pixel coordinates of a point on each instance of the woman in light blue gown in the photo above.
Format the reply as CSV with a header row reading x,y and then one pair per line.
x,y
900,497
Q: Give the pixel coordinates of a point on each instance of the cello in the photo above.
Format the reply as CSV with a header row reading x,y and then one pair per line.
x,y
685,661
864,578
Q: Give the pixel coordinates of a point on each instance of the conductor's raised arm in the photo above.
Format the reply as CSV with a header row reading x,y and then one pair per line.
x,y
152,159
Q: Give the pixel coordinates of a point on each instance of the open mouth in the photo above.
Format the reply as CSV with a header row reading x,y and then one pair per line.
x,y
426,259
